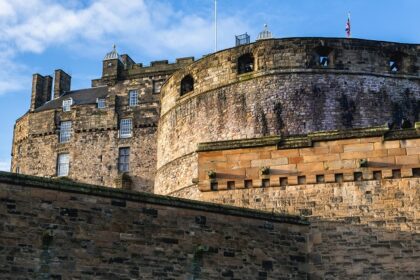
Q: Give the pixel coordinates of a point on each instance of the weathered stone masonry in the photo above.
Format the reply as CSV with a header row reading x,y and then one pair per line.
x,y
359,188
287,93
94,144
308,126
60,230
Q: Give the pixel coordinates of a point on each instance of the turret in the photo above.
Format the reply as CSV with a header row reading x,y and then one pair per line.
x,y
112,67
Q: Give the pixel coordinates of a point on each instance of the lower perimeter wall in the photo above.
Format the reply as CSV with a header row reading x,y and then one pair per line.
x,y
359,230
60,230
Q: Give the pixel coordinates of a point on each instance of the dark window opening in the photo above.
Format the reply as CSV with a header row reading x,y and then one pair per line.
x,y
124,160
358,176
396,173
301,180
416,172
339,178
265,183
323,61
187,84
320,179
245,63
231,185
248,183
214,186
395,62
377,175
393,66
283,181
323,54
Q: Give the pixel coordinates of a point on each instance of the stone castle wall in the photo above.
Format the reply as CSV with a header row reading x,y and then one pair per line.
x,y
288,93
364,214
60,230
359,230
95,142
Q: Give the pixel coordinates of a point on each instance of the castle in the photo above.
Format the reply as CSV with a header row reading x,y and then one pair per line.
x,y
325,128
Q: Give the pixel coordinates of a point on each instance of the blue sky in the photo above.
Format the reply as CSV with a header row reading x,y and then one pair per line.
x,y
39,36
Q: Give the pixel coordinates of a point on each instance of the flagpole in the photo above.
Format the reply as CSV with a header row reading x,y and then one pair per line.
x,y
215,25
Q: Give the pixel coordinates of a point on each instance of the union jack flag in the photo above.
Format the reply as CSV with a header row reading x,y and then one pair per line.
x,y
348,30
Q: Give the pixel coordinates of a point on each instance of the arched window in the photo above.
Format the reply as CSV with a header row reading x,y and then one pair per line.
x,y
187,84
245,63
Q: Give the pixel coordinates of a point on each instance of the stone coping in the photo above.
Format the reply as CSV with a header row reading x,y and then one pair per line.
x,y
306,140
73,187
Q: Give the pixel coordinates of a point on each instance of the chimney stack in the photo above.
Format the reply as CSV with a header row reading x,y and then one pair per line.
x,y
62,82
41,90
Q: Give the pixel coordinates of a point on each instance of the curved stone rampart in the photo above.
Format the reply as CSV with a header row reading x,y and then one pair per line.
x,y
290,91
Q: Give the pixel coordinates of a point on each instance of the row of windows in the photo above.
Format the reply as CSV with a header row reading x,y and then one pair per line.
x,y
101,102
126,130
63,162
245,64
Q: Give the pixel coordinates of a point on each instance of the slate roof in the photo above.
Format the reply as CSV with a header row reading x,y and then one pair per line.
x,y
80,97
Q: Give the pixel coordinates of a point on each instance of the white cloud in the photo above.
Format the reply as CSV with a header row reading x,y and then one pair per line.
x,y
4,165
154,28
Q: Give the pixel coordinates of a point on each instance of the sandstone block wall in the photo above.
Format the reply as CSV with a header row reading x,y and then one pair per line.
x,y
288,93
58,230
321,161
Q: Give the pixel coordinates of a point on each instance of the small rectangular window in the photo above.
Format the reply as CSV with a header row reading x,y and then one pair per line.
x,y
283,181
301,180
65,131
358,176
17,170
126,128
214,186
101,103
133,98
67,105
377,175
231,185
248,183
323,60
320,179
124,160
265,183
63,162
396,173
339,178
157,86
393,66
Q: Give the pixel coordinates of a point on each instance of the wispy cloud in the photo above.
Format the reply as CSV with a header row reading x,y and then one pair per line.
x,y
152,27
4,165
